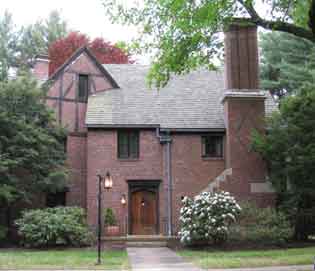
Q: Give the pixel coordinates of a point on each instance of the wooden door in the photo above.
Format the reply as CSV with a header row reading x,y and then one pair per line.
x,y
143,212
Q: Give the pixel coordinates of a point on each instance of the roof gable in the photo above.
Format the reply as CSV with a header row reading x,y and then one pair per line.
x,y
74,56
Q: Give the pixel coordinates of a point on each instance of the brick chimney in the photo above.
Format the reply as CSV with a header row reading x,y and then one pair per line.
x,y
41,67
241,57
244,109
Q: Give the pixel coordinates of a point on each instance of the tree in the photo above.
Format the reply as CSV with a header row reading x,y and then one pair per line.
x,y
105,52
32,152
184,34
289,150
19,46
8,44
36,38
287,63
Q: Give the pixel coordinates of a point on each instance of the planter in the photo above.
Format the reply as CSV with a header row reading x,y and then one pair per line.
x,y
112,231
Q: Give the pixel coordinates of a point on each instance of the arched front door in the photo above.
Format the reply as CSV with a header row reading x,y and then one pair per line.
x,y
143,213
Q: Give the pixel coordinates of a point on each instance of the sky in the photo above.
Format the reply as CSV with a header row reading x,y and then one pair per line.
x,y
86,16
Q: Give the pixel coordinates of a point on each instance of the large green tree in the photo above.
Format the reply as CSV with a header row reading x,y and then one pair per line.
x,y
289,149
32,152
36,38
19,46
287,62
184,34
8,44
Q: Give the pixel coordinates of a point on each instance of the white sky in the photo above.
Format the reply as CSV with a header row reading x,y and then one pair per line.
x,y
85,16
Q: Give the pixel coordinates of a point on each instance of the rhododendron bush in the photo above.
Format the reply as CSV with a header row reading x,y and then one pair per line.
x,y
207,217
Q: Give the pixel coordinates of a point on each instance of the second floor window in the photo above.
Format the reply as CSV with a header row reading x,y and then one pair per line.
x,y
128,144
83,88
212,146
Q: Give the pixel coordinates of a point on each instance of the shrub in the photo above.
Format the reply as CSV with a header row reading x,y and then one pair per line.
x,y
54,226
3,232
109,218
263,225
207,217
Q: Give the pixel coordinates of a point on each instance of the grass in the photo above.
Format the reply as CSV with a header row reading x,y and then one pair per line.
x,y
62,259
250,258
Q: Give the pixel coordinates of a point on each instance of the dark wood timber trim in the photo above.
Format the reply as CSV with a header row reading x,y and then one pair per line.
x,y
68,88
64,99
76,127
78,134
60,101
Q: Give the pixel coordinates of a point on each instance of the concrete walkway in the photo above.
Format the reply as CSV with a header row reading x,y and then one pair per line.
x,y
163,259
157,259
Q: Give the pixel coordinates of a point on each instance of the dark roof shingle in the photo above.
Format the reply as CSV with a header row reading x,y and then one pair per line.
x,y
191,101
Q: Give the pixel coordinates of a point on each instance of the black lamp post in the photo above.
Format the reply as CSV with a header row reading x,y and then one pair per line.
x,y
108,184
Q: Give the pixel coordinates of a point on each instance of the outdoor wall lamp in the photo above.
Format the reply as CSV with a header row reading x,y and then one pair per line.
x,y
123,199
108,184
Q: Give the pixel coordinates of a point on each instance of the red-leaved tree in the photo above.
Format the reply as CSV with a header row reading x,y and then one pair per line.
x,y
105,52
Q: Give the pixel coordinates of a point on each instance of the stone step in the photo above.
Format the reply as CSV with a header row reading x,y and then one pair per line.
x,y
146,244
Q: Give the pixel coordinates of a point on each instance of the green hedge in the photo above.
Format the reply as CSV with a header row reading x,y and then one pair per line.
x,y
263,225
54,226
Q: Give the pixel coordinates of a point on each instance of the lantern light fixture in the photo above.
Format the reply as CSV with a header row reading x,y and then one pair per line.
x,y
123,199
108,181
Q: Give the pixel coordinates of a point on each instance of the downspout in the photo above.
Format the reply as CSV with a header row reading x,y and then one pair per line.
x,y
166,139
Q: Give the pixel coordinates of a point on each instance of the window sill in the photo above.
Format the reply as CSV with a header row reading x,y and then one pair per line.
x,y
206,158
128,159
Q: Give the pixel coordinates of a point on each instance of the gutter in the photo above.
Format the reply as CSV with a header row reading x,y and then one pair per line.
x,y
166,139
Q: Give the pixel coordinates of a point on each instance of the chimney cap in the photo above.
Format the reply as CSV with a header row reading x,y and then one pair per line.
x,y
237,23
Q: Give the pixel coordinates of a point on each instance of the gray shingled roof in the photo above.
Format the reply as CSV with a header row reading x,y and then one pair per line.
x,y
191,101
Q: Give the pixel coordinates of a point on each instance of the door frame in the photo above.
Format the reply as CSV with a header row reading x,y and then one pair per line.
x,y
147,185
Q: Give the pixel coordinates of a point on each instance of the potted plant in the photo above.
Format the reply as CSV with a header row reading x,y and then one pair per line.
x,y
110,222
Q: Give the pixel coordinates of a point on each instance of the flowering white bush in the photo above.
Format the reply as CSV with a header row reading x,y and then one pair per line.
x,y
207,217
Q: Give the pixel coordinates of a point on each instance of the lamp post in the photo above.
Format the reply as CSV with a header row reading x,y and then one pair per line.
x,y
108,184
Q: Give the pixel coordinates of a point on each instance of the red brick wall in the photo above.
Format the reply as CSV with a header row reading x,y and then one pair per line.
x,y
190,172
244,115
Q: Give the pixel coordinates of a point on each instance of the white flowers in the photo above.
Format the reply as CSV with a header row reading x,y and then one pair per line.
x,y
207,216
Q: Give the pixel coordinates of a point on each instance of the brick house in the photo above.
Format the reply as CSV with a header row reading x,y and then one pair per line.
x,y
160,145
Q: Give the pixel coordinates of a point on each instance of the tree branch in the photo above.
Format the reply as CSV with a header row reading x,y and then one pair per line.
x,y
276,25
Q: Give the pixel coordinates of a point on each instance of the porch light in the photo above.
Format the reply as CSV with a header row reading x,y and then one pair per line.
x,y
123,199
108,181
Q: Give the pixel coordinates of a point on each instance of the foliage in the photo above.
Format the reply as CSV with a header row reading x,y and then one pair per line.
x,y
31,145
207,217
109,217
263,225
289,150
105,52
3,232
8,44
19,46
183,34
287,62
54,226
36,38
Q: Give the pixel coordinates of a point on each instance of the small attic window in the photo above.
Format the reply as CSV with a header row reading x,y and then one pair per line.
x,y
83,88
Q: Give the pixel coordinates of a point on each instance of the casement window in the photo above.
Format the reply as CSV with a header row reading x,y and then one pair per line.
x,y
56,199
83,88
128,144
212,146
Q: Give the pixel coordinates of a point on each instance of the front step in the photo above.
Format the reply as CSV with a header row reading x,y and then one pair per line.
x,y
141,240
146,244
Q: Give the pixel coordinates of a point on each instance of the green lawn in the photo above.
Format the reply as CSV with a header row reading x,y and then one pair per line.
x,y
254,258
62,259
